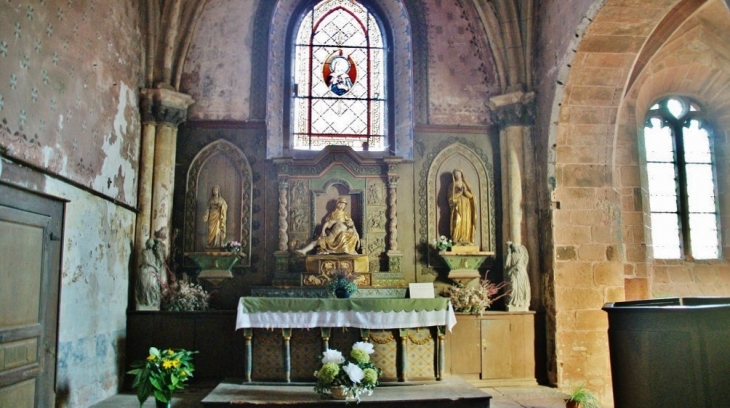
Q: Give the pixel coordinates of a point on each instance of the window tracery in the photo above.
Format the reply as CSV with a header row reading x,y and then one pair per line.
x,y
681,179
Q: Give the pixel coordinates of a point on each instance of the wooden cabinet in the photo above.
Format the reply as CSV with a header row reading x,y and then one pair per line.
x,y
496,348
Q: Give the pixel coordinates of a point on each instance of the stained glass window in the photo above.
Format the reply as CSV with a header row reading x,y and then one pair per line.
x,y
682,187
339,76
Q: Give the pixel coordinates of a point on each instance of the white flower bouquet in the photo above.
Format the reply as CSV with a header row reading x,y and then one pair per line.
x,y
355,375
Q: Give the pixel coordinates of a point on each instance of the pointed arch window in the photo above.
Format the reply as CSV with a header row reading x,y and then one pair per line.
x,y
339,74
682,183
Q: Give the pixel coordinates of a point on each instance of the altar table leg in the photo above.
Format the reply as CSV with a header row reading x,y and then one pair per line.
x,y
403,369
286,333
441,362
326,332
248,334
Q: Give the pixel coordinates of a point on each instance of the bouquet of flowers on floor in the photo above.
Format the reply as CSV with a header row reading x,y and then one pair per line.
x,y
161,373
352,376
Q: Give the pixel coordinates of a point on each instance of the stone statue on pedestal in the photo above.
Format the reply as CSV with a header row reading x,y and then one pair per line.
x,y
215,216
151,274
515,268
338,235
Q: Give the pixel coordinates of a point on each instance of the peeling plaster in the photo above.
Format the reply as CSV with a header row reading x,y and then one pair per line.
x,y
115,164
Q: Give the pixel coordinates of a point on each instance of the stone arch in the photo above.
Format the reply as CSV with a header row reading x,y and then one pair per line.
x,y
586,176
695,63
220,163
478,172
395,16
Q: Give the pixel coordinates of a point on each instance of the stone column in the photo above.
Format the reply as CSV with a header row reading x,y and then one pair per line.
x,y
281,256
170,110
394,255
514,114
146,163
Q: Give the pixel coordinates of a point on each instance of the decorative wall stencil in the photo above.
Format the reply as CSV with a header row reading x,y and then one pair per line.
x,y
461,76
217,66
306,349
385,356
268,361
50,54
421,348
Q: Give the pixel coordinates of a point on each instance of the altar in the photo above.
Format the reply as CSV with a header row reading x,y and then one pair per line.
x,y
407,334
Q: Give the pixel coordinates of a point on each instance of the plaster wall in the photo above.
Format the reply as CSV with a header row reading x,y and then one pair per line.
x,y
69,104
97,246
218,68
69,127
461,76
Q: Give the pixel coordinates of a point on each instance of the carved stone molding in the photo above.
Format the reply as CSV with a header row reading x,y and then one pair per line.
x,y
513,109
164,107
241,165
427,227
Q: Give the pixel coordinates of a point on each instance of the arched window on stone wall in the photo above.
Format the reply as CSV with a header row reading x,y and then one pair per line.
x,y
339,74
681,179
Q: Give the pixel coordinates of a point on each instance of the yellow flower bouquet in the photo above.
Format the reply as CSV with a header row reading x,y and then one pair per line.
x,y
161,373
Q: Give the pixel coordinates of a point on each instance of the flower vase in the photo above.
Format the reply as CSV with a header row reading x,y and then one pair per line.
x,y
160,404
338,392
342,293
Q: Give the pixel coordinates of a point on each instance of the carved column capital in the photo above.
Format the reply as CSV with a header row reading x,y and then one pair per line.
x,y
164,106
392,181
513,109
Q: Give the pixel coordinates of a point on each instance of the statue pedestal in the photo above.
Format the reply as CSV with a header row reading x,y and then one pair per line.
x,y
464,267
215,267
465,249
320,267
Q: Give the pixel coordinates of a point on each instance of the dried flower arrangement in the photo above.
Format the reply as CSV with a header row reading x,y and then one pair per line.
x,y
476,299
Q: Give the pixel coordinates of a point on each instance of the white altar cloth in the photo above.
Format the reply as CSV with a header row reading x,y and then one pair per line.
x,y
358,313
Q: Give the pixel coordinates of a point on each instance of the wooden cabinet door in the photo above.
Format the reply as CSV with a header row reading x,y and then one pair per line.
x,y
29,280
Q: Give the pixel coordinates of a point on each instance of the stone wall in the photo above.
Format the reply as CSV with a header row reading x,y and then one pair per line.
x,y
693,62
597,208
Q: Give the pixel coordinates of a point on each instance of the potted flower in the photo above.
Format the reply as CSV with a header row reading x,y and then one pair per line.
x,y
475,299
442,243
344,378
581,397
163,372
342,283
232,246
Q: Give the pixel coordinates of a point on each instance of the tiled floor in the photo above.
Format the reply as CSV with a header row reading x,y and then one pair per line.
x,y
502,397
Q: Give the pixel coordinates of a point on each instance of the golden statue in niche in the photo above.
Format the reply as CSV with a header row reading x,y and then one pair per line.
x,y
338,235
462,214
215,216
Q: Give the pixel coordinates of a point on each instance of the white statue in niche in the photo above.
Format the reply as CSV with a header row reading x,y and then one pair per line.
x,y
515,269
